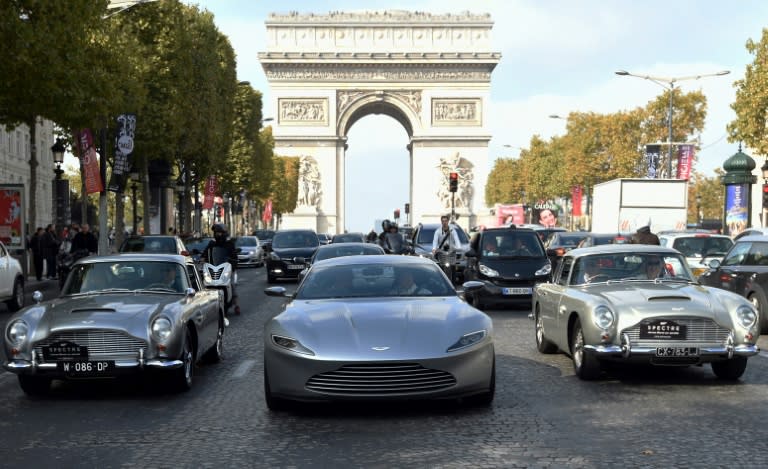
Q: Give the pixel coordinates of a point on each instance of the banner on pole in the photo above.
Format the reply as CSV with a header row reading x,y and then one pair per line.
x,y
685,155
576,193
210,192
126,130
89,161
267,216
652,154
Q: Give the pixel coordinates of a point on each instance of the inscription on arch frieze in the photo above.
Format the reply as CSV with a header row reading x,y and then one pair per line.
x,y
303,111
411,98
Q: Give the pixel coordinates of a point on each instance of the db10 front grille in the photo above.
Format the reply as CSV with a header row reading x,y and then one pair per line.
x,y
699,331
381,379
102,344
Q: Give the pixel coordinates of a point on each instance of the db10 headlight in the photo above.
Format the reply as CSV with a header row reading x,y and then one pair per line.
x,y
746,315
487,271
291,344
603,317
467,340
161,328
17,332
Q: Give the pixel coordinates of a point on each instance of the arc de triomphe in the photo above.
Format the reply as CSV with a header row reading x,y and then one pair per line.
x,y
432,73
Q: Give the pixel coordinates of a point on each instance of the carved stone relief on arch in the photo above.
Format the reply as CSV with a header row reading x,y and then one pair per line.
x,y
303,111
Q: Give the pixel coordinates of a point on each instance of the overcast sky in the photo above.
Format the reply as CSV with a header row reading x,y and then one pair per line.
x,y
557,56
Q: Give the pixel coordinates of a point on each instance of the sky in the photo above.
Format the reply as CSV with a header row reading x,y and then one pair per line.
x,y
558,56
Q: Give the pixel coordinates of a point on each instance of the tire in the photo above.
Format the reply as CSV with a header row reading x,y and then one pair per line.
x,y
586,366
485,399
17,300
542,344
182,378
761,305
730,370
216,353
34,386
273,403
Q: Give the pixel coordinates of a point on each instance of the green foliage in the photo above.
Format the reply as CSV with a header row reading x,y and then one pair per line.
x,y
285,176
751,105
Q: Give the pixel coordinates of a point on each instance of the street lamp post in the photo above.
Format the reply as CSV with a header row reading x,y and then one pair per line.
x,y
58,150
764,211
669,84
134,175
699,215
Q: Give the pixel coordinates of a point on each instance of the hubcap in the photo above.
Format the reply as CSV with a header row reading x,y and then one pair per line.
x,y
219,341
578,348
539,330
19,294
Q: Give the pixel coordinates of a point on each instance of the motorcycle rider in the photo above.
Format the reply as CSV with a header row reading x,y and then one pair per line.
x,y
392,240
221,240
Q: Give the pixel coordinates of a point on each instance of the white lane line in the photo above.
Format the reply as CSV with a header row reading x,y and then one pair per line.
x,y
243,368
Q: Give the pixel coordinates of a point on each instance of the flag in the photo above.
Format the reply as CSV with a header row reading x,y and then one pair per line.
x,y
267,215
126,130
685,157
576,201
89,161
652,153
210,192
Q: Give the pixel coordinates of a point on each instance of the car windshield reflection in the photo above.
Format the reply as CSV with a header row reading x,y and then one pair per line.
x,y
601,268
115,277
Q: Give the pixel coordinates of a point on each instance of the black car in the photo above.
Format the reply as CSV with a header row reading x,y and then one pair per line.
x,y
744,270
289,253
265,237
348,238
560,242
159,244
510,262
598,239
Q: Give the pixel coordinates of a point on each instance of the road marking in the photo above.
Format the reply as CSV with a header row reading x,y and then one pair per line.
x,y
243,368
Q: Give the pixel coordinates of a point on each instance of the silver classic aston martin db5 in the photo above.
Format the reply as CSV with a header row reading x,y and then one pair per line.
x,y
377,327
118,314
640,303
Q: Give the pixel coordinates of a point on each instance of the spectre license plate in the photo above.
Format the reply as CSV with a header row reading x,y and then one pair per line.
x,y
517,291
87,368
677,351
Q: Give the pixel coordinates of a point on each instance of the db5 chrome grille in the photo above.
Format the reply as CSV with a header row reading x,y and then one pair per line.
x,y
699,331
381,379
102,344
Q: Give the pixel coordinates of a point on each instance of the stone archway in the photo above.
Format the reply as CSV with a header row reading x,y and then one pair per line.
x,y
431,73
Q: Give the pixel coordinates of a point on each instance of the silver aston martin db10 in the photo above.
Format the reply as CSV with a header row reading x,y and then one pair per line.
x,y
377,328
639,303
119,314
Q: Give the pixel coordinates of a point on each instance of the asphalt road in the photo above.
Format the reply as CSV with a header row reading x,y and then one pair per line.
x,y
542,417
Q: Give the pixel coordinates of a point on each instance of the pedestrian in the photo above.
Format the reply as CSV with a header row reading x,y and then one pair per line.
x,y
85,240
38,256
50,250
643,235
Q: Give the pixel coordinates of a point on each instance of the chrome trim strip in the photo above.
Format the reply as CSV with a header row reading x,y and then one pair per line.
x,y
729,350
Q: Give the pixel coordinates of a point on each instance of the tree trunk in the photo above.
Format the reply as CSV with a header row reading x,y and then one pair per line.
x,y
33,163
119,220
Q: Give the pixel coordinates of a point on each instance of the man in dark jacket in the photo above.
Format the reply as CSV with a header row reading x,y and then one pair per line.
x,y
84,239
38,256
221,239
50,250
644,236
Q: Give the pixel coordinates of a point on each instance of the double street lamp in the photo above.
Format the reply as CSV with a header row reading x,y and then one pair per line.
x,y
669,84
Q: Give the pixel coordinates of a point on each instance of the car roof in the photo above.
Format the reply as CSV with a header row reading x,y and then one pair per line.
x,y
138,256
377,259
752,238
617,248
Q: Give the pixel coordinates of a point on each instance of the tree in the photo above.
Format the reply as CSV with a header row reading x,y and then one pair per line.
x,y
751,105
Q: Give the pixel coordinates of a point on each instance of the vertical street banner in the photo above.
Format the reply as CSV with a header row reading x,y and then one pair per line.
x,y
210,192
126,131
89,161
685,157
652,154
267,216
576,199
736,208
12,216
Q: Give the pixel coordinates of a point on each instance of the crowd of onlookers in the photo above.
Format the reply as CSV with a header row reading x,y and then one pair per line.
x,y
47,246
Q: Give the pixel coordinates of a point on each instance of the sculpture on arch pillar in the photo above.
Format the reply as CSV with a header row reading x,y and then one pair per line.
x,y
310,190
458,164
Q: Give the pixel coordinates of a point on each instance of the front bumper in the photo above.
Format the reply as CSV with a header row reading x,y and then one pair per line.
x,y
122,366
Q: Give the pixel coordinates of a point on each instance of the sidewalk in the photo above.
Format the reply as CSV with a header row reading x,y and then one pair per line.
x,y
48,287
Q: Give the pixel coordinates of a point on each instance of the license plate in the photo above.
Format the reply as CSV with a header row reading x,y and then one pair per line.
x,y
295,267
87,368
677,351
64,350
517,291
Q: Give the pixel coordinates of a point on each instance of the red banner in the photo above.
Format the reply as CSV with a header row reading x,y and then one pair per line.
x,y
12,216
576,194
267,216
89,162
210,192
684,161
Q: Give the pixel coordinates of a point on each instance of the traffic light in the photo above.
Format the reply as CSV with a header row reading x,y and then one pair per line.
x,y
454,181
407,208
397,214
765,195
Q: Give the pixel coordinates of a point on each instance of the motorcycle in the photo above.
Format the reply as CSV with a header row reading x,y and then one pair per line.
x,y
64,263
218,272
395,243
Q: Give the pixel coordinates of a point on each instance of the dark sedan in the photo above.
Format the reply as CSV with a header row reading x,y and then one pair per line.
x,y
744,270
348,238
289,252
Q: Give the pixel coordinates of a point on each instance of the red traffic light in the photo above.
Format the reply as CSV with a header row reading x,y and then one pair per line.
x,y
397,213
453,179
765,188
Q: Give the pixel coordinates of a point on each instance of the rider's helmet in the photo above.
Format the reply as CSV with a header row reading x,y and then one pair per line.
x,y
219,231
385,225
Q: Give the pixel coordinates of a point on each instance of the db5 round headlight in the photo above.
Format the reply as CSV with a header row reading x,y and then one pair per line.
x,y
603,317
17,332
